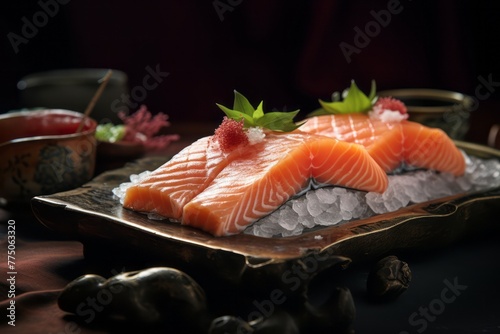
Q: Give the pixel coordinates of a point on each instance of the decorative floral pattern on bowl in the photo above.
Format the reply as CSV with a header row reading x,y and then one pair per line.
x,y
43,154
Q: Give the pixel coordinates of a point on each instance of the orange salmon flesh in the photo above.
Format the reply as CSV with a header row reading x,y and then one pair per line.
x,y
224,193
392,143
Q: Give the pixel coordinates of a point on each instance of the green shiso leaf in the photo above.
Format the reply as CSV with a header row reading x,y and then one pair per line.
x,y
237,115
242,104
276,121
279,121
259,112
355,101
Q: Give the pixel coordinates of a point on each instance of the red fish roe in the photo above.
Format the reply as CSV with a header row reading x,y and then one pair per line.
x,y
389,103
230,134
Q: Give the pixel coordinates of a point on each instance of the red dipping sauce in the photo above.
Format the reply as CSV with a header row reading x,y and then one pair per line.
x,y
44,123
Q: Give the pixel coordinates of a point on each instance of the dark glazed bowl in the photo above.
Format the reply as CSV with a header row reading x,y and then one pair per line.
x,y
436,108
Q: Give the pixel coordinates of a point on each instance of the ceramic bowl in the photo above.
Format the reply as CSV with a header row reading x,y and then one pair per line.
x,y
42,153
442,109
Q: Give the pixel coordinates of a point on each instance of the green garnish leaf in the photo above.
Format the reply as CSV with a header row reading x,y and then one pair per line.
x,y
279,121
276,121
242,104
259,112
373,92
237,115
355,101
110,133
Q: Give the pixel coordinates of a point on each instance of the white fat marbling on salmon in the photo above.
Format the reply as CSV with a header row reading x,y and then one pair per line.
x,y
392,143
251,187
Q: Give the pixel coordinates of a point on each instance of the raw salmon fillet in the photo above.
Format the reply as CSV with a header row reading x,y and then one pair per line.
x,y
222,193
391,143
167,189
258,182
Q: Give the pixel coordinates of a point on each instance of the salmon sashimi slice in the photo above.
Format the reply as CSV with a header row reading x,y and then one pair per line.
x,y
167,189
283,165
392,143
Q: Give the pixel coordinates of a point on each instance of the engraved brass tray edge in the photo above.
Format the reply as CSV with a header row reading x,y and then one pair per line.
x,y
90,213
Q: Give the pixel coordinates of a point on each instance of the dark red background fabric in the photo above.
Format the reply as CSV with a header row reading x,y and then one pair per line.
x,y
283,52
286,53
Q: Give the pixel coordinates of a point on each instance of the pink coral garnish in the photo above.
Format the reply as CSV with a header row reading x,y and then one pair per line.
x,y
230,134
389,103
142,127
